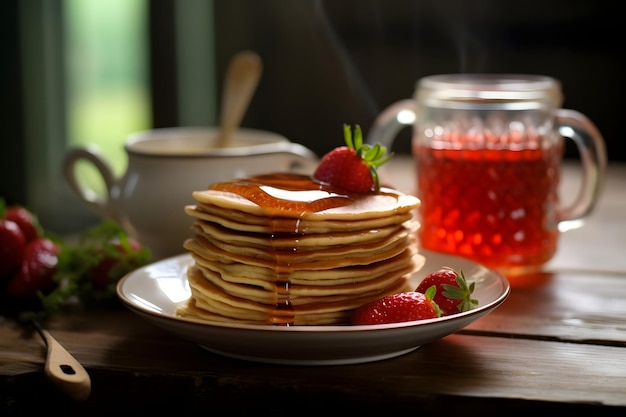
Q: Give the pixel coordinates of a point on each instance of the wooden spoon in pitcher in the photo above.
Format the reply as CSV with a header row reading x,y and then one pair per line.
x,y
242,77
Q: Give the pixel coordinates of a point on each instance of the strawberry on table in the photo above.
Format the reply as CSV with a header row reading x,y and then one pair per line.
x,y
26,220
352,167
53,274
116,259
37,270
396,308
453,293
12,244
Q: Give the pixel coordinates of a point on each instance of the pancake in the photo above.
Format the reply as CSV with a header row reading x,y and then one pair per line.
x,y
211,303
384,203
246,222
281,249
267,276
322,259
303,242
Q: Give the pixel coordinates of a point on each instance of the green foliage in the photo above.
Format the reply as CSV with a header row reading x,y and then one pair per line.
x,y
77,262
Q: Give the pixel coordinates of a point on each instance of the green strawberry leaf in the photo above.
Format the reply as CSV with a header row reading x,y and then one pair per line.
x,y
463,292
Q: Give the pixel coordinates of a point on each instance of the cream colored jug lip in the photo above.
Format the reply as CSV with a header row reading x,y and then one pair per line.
x,y
194,142
485,87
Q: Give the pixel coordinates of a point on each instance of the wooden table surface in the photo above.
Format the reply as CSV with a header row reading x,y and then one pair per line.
x,y
560,346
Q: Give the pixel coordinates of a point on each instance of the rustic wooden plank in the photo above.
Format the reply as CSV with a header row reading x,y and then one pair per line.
x,y
123,351
529,369
570,305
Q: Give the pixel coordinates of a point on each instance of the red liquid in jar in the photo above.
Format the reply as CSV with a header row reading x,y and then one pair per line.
x,y
495,206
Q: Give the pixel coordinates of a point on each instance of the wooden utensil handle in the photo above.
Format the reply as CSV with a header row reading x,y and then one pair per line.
x,y
65,371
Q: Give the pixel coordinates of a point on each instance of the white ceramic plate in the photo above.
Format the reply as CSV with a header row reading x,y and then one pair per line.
x,y
154,291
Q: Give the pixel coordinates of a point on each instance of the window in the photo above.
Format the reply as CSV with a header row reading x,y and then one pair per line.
x,y
85,72
107,75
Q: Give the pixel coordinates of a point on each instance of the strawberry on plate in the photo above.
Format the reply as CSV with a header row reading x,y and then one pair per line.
x,y
453,293
352,167
396,308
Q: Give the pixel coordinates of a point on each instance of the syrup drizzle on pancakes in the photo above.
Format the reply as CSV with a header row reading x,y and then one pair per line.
x,y
249,255
286,193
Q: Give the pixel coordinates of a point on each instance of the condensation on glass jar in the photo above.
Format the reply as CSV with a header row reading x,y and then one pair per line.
x,y
488,149
487,111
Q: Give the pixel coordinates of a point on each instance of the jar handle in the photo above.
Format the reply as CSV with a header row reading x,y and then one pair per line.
x,y
591,147
388,123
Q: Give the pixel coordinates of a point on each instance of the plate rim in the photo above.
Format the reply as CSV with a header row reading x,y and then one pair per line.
x,y
482,309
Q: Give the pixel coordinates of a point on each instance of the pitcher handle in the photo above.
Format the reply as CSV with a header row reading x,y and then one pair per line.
x,y
591,147
100,203
389,122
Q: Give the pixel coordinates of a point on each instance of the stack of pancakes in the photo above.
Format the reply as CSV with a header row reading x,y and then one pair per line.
x,y
263,254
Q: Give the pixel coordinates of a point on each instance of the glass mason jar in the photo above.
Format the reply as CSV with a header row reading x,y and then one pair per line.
x,y
488,151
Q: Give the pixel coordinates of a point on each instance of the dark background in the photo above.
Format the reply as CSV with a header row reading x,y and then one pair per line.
x,y
327,63
332,62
